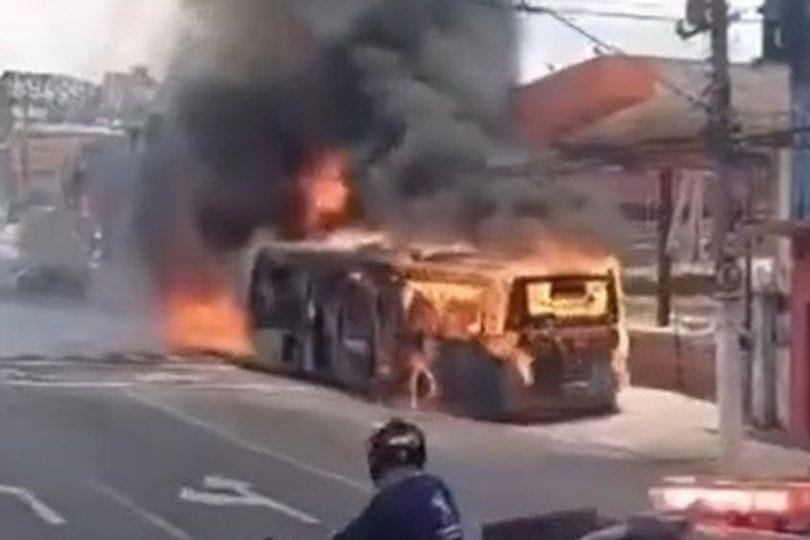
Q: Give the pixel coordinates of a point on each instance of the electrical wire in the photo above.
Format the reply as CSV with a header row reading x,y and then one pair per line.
x,y
525,7
604,14
770,138
587,12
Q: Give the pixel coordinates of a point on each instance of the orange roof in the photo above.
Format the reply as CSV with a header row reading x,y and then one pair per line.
x,y
571,99
622,101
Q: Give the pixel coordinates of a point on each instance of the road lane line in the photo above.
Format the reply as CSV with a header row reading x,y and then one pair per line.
x,y
255,387
78,385
185,384
169,377
247,445
152,519
42,510
12,373
228,492
112,364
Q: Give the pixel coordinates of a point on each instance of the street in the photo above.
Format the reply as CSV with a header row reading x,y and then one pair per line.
x,y
490,206
115,445
111,445
104,436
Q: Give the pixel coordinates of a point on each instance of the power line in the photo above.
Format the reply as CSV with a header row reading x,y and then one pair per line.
x,y
586,12
606,14
525,7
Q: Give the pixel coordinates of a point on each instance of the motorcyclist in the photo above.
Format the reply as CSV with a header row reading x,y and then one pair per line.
x,y
410,504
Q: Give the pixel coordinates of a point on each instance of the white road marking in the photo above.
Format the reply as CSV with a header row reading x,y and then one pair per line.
x,y
247,445
168,377
41,363
82,385
42,510
11,373
223,491
256,387
149,517
112,364
201,367
186,383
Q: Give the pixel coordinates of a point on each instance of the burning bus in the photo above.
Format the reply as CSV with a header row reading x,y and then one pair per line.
x,y
480,334
485,332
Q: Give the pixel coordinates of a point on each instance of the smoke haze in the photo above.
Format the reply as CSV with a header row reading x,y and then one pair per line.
x,y
416,93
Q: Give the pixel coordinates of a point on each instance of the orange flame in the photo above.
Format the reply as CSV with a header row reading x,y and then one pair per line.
x,y
324,192
209,322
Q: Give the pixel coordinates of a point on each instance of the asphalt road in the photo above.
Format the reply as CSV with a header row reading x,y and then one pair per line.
x,y
139,447
96,445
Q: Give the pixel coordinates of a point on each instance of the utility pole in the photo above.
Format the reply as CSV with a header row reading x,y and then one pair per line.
x,y
665,211
712,16
728,357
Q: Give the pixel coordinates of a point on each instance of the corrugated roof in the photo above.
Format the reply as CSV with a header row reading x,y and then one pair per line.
x,y
614,102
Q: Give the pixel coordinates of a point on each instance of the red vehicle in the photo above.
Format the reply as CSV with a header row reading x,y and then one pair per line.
x,y
767,505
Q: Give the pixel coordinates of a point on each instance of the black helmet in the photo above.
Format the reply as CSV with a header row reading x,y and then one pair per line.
x,y
396,444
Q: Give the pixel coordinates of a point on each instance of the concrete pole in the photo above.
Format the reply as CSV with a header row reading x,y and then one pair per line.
x,y
728,360
729,375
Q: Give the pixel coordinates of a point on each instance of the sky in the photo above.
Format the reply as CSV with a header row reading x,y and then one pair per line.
x,y
87,37
547,44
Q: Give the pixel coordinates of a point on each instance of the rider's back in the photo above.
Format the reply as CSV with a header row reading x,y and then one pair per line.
x,y
419,507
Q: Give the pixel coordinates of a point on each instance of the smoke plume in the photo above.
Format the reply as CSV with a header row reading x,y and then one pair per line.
x,y
414,91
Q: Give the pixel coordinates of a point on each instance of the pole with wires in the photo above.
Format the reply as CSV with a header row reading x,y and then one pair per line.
x,y
710,16
525,6
728,357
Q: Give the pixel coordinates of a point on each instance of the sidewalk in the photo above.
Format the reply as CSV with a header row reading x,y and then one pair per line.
x,y
759,458
679,357
691,315
661,426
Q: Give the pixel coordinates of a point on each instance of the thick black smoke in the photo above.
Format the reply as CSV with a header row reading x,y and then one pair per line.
x,y
415,90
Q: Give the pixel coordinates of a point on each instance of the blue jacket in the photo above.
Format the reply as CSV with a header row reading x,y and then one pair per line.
x,y
420,507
